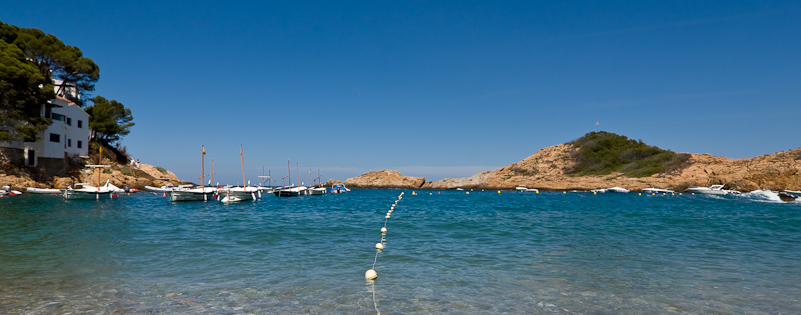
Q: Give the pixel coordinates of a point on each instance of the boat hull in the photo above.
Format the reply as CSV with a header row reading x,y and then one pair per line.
x,y
707,191
239,194
43,190
77,194
187,195
287,193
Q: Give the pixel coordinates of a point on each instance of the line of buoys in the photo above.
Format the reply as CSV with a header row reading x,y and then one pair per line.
x,y
371,274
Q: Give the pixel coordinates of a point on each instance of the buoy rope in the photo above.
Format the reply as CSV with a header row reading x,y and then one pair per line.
x,y
371,275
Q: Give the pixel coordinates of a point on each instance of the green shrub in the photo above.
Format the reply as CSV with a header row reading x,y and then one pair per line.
x,y
126,170
601,153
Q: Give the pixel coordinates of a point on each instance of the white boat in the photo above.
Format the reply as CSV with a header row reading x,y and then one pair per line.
x,y
523,188
793,193
316,191
617,190
89,192
266,189
199,193
290,191
712,190
6,190
34,190
165,188
193,194
236,194
339,188
654,190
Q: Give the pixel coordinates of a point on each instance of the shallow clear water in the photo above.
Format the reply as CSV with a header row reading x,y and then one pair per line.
x,y
477,253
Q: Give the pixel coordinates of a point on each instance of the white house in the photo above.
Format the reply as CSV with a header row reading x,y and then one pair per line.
x,y
67,136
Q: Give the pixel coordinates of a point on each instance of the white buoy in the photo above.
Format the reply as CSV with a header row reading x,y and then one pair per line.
x,y
370,274
379,246
383,230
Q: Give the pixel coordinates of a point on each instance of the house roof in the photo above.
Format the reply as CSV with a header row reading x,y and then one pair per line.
x,y
70,103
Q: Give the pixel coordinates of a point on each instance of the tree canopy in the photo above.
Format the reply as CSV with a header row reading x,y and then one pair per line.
x,y
109,120
58,61
23,90
30,63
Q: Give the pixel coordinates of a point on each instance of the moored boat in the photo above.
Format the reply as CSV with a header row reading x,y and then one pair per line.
x,y
6,190
792,193
193,194
235,194
89,192
654,190
165,188
316,191
290,191
523,188
339,188
34,190
617,190
712,190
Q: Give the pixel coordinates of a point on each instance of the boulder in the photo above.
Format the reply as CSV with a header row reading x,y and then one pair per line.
x,y
385,179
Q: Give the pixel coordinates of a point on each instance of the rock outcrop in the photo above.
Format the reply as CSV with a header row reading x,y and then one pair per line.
x,y
119,175
385,179
546,170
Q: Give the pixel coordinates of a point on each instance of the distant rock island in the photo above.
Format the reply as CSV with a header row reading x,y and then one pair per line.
x,y
616,161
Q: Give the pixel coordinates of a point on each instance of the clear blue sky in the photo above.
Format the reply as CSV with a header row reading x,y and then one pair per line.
x,y
435,89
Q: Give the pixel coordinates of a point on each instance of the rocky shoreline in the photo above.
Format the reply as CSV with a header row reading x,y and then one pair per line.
x,y
119,175
545,170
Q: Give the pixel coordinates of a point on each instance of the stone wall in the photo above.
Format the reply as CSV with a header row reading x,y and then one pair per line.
x,y
15,157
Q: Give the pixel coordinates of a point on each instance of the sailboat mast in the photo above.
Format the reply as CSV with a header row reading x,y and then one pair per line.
x,y
241,152
99,162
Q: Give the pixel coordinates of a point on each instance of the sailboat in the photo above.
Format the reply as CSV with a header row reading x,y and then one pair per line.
x,y
265,179
88,191
316,191
201,193
291,190
236,194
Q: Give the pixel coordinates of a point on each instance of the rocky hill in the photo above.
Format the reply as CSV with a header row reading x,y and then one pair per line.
x,y
548,169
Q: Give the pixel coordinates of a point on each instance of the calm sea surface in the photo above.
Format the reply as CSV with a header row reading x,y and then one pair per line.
x,y
454,252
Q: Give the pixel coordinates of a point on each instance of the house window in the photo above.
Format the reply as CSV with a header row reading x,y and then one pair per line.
x,y
80,143
80,123
69,143
54,137
69,121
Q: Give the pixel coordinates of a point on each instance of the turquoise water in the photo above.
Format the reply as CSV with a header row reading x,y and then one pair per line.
x,y
477,253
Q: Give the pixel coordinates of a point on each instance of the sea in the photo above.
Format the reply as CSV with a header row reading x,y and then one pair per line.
x,y
445,252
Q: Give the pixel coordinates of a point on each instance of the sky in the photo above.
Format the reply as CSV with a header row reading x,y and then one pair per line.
x,y
433,89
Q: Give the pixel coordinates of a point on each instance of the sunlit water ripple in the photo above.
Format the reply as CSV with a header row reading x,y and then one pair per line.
x,y
454,252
